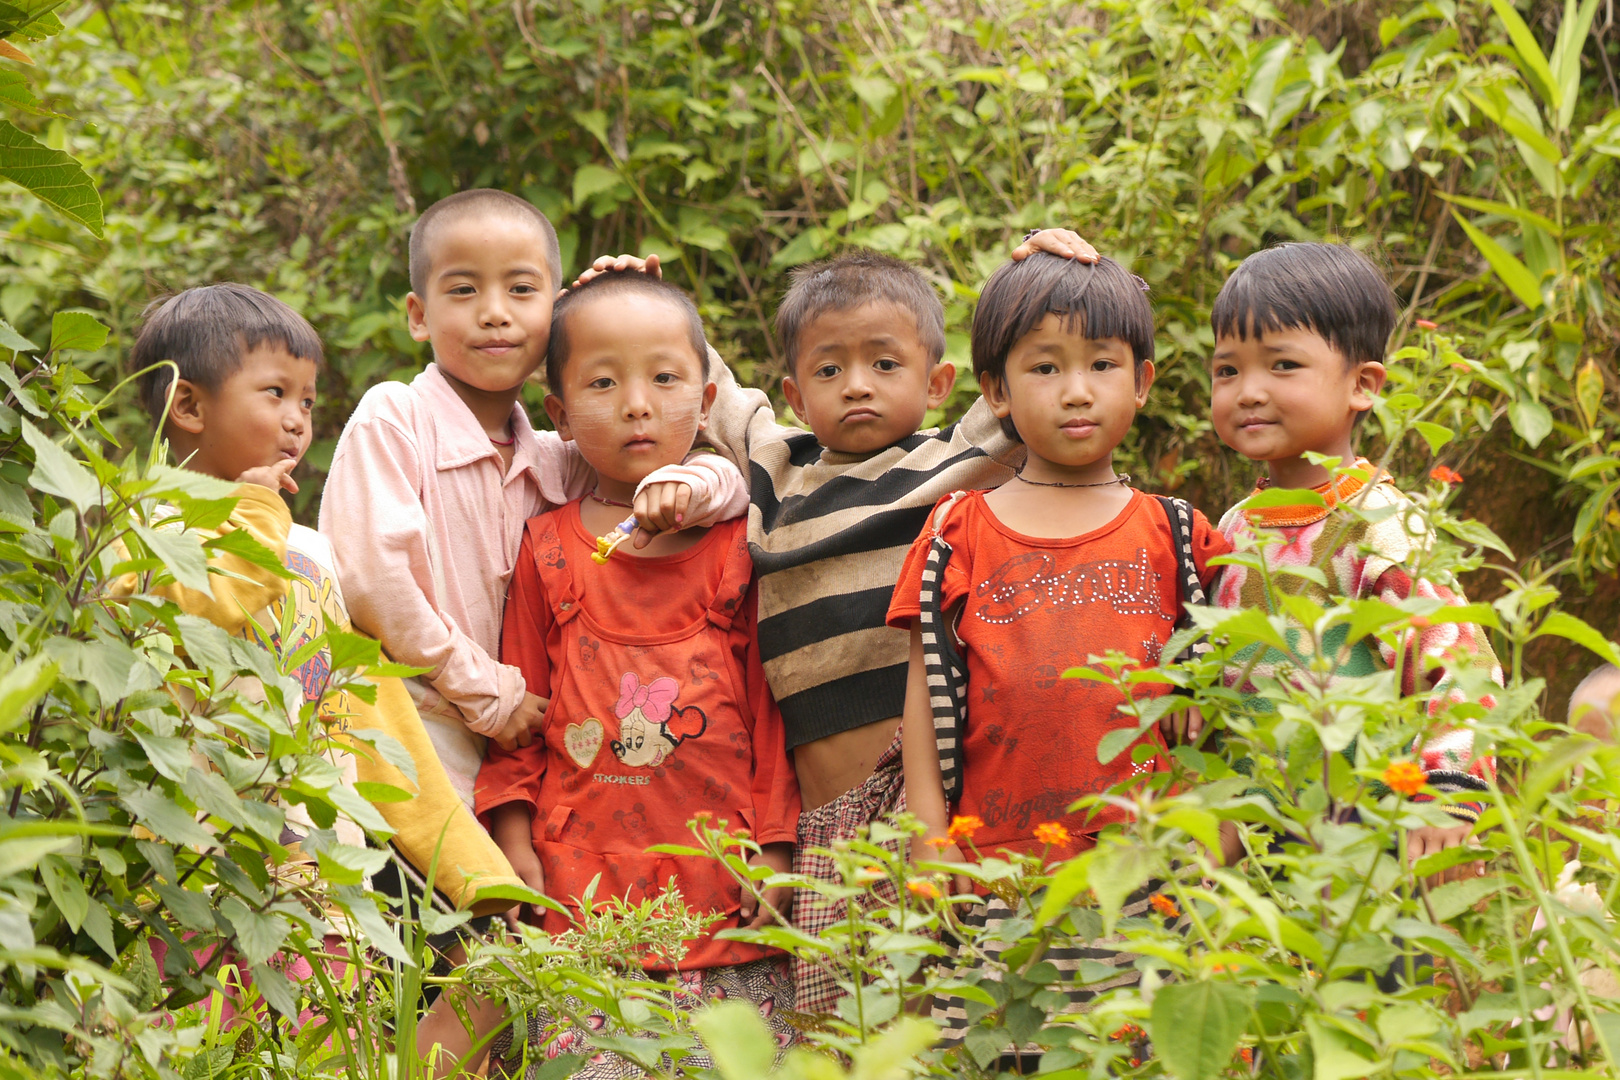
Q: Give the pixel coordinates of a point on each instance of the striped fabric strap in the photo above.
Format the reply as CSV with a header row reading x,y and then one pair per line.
x,y
942,662
1178,512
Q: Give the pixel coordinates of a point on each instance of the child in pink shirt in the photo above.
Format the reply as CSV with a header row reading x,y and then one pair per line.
x,y
432,481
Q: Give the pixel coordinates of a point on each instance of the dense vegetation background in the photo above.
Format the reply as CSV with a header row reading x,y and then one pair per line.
x,y
1466,145
290,144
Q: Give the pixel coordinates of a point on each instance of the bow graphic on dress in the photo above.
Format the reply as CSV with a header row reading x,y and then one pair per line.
x,y
654,699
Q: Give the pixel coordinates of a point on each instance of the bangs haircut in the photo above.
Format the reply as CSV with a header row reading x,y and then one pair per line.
x,y
1097,300
605,287
1331,290
207,332
852,280
486,202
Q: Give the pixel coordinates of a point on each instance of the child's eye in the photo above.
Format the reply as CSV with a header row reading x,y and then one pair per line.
x,y
827,371
604,383
887,364
1285,365
1103,365
524,290
1045,368
462,290
309,404
664,378
276,391
1225,371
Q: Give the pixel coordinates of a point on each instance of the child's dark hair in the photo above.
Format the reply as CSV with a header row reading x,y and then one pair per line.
x,y
852,279
1099,300
207,331
1329,289
464,204
605,287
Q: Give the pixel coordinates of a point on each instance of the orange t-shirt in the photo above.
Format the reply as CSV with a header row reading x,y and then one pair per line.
x,y
1031,608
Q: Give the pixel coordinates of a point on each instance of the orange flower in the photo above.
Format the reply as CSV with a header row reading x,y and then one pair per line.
x,y
1052,834
922,890
1445,475
1405,777
963,826
939,843
1427,325
868,875
1164,906
1421,622
1127,1033
1247,1055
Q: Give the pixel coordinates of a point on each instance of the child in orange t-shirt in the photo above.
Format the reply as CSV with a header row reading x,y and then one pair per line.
x,y
1062,562
659,709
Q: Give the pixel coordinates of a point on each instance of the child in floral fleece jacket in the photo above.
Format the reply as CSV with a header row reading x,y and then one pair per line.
x,y
1300,331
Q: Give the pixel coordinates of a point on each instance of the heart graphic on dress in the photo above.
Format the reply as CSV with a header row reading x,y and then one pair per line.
x,y
583,741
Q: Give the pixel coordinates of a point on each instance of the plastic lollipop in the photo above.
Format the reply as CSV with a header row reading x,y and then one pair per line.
x,y
606,545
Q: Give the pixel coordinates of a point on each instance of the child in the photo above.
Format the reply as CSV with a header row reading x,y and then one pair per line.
x,y
835,510
1062,561
659,708
240,409
432,481
1300,331
1593,705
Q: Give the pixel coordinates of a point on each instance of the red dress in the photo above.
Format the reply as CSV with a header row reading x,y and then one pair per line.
x,y
1031,608
659,710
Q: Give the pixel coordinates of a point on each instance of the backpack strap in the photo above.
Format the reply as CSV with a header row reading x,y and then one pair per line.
x,y
735,577
1189,590
563,588
942,658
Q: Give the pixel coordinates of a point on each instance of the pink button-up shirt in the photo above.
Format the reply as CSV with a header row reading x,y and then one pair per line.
x,y
425,523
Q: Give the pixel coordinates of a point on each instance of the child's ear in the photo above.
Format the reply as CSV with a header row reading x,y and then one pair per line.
x,y
709,392
416,317
1370,378
1145,374
558,411
995,392
186,411
940,383
795,399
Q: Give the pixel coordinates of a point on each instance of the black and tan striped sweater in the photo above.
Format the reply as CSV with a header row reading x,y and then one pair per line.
x,y
828,533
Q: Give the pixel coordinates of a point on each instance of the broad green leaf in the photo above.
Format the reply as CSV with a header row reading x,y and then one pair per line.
x,y
1196,1026
98,925
1337,1055
737,1039
1532,62
10,339
277,989
376,929
1070,881
21,687
1433,434
78,331
1567,626
169,755
59,473
1451,900
1501,209
1565,66
1265,67
1116,742
258,934
66,890
190,908
875,91
1283,497
1589,391
1514,274
893,1054
19,853
181,551
1532,421
592,180
1118,870
154,810
51,176
1201,825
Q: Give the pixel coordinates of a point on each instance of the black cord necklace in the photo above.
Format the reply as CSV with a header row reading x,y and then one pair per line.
x,y
1122,478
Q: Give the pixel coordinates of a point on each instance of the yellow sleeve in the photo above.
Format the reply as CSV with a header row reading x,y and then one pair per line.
x,y
266,518
435,819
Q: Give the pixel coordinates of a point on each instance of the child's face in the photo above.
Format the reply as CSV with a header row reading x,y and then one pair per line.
x,y
863,380
487,303
1072,398
633,396
1275,397
1591,711
259,416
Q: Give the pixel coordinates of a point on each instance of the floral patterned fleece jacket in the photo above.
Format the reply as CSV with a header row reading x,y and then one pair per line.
x,y
1366,561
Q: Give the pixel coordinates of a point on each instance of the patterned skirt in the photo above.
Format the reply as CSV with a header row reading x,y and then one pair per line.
x,y
765,983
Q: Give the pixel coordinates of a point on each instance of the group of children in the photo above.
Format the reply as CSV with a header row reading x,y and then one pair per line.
x,y
766,648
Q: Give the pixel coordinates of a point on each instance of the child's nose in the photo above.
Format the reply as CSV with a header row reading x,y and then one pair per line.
x,y
856,385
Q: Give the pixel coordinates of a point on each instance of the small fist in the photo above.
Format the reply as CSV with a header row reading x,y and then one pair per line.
x,y
660,508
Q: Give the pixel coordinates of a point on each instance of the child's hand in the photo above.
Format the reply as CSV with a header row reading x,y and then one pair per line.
x,y
1065,243
1182,727
525,720
513,832
778,899
1231,843
609,264
660,508
1436,838
275,477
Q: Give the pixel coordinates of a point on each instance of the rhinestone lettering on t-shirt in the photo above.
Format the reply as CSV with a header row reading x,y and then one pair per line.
x,y
1030,581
